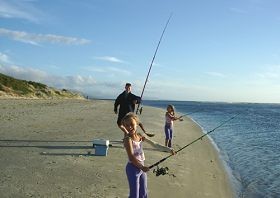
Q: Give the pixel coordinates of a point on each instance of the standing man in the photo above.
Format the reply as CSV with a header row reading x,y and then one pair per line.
x,y
127,101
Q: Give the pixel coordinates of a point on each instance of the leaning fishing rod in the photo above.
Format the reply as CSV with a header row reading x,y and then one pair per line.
x,y
164,170
151,65
186,114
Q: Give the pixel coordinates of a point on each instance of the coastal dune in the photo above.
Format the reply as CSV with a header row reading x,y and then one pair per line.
x,y
46,151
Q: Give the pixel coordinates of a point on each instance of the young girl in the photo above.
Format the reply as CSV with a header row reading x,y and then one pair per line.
x,y
135,168
140,125
168,128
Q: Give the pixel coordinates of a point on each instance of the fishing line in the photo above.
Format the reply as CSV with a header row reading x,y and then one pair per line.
x,y
152,64
189,113
199,138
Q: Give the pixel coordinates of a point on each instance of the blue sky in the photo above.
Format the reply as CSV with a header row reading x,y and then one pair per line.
x,y
218,50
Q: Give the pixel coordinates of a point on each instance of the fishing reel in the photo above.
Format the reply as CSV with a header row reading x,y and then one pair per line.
x,y
161,171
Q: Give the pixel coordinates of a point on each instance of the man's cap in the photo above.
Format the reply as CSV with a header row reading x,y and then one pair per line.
x,y
128,84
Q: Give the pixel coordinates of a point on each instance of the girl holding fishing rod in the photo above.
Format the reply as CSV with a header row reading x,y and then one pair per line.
x,y
168,127
135,168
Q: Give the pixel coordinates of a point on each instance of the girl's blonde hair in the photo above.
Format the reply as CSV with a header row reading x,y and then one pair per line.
x,y
130,116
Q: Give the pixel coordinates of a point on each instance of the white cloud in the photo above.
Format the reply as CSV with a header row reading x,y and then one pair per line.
x,y
87,85
109,70
23,73
269,74
35,39
95,69
4,58
156,89
19,9
27,73
120,71
109,59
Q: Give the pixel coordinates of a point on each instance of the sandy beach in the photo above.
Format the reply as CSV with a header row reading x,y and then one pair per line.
x,y
46,151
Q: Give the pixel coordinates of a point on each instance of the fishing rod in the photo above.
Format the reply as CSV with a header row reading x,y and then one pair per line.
x,y
152,64
189,113
164,170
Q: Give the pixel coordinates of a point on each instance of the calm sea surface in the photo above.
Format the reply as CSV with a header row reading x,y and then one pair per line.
x,y
249,144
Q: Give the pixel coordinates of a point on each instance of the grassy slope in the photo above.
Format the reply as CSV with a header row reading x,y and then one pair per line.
x,y
10,86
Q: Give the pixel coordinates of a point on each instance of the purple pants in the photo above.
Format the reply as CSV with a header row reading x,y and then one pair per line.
x,y
137,180
168,132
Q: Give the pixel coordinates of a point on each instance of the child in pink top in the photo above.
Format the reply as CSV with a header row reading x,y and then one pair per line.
x,y
168,128
135,168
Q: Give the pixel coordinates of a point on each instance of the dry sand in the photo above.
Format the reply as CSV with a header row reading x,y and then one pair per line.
x,y
44,148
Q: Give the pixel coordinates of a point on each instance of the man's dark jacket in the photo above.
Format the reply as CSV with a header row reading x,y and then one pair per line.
x,y
125,100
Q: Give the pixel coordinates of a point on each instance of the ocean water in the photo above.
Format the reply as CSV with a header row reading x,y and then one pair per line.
x,y
249,144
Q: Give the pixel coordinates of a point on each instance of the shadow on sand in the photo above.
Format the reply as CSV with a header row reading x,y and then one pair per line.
x,y
52,145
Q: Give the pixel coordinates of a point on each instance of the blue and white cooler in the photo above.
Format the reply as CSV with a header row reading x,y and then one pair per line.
x,y
100,146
